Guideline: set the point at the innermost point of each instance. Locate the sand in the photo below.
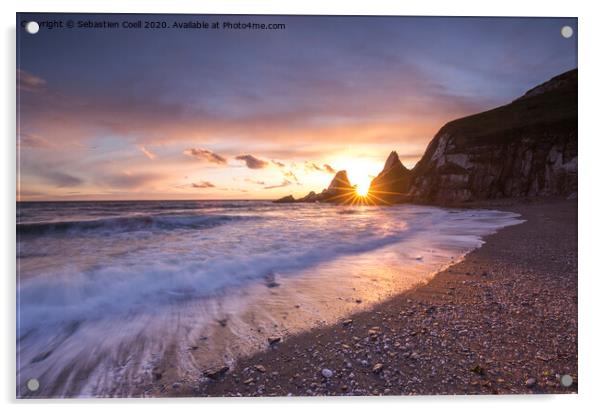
(502, 321)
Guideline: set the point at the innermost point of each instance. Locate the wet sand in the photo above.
(502, 321)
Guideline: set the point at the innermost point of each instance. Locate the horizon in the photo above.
(234, 115)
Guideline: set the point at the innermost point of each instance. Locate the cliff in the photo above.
(525, 148)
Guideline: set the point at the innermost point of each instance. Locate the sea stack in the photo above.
(392, 184)
(340, 190)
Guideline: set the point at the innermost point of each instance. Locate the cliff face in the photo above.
(526, 148)
(392, 183)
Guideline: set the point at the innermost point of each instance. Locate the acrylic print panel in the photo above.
(295, 205)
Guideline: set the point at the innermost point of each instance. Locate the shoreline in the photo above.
(501, 321)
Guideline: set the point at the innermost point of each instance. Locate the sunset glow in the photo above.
(190, 127)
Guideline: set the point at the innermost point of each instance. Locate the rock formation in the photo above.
(340, 190)
(285, 199)
(392, 184)
(525, 148)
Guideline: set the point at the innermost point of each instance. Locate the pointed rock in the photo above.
(391, 185)
(340, 189)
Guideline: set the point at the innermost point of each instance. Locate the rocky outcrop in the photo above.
(340, 190)
(286, 199)
(526, 148)
(392, 184)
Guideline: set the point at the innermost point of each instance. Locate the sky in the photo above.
(176, 113)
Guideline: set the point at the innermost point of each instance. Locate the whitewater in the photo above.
(109, 293)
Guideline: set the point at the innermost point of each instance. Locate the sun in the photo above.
(363, 187)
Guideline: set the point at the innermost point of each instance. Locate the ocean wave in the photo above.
(126, 224)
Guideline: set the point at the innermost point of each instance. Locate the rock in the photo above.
(217, 372)
(377, 368)
(309, 198)
(347, 322)
(260, 368)
(274, 339)
(248, 381)
(529, 383)
(392, 183)
(270, 280)
(339, 191)
(158, 372)
(478, 370)
(285, 199)
(327, 373)
(525, 148)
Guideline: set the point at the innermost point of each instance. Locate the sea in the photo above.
(119, 298)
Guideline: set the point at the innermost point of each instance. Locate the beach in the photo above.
(501, 321)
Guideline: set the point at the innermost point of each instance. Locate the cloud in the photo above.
(147, 153)
(283, 184)
(204, 154)
(29, 82)
(291, 176)
(203, 185)
(312, 167)
(257, 182)
(253, 162)
(34, 141)
(329, 168)
(61, 179)
(128, 180)
(279, 164)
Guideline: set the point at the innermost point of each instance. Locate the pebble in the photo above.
(274, 339)
(327, 373)
(216, 373)
(530, 382)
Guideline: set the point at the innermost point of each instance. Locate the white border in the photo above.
(590, 149)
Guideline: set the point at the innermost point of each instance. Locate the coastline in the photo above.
(502, 321)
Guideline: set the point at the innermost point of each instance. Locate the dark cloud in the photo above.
(203, 185)
(252, 162)
(204, 154)
(279, 164)
(283, 184)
